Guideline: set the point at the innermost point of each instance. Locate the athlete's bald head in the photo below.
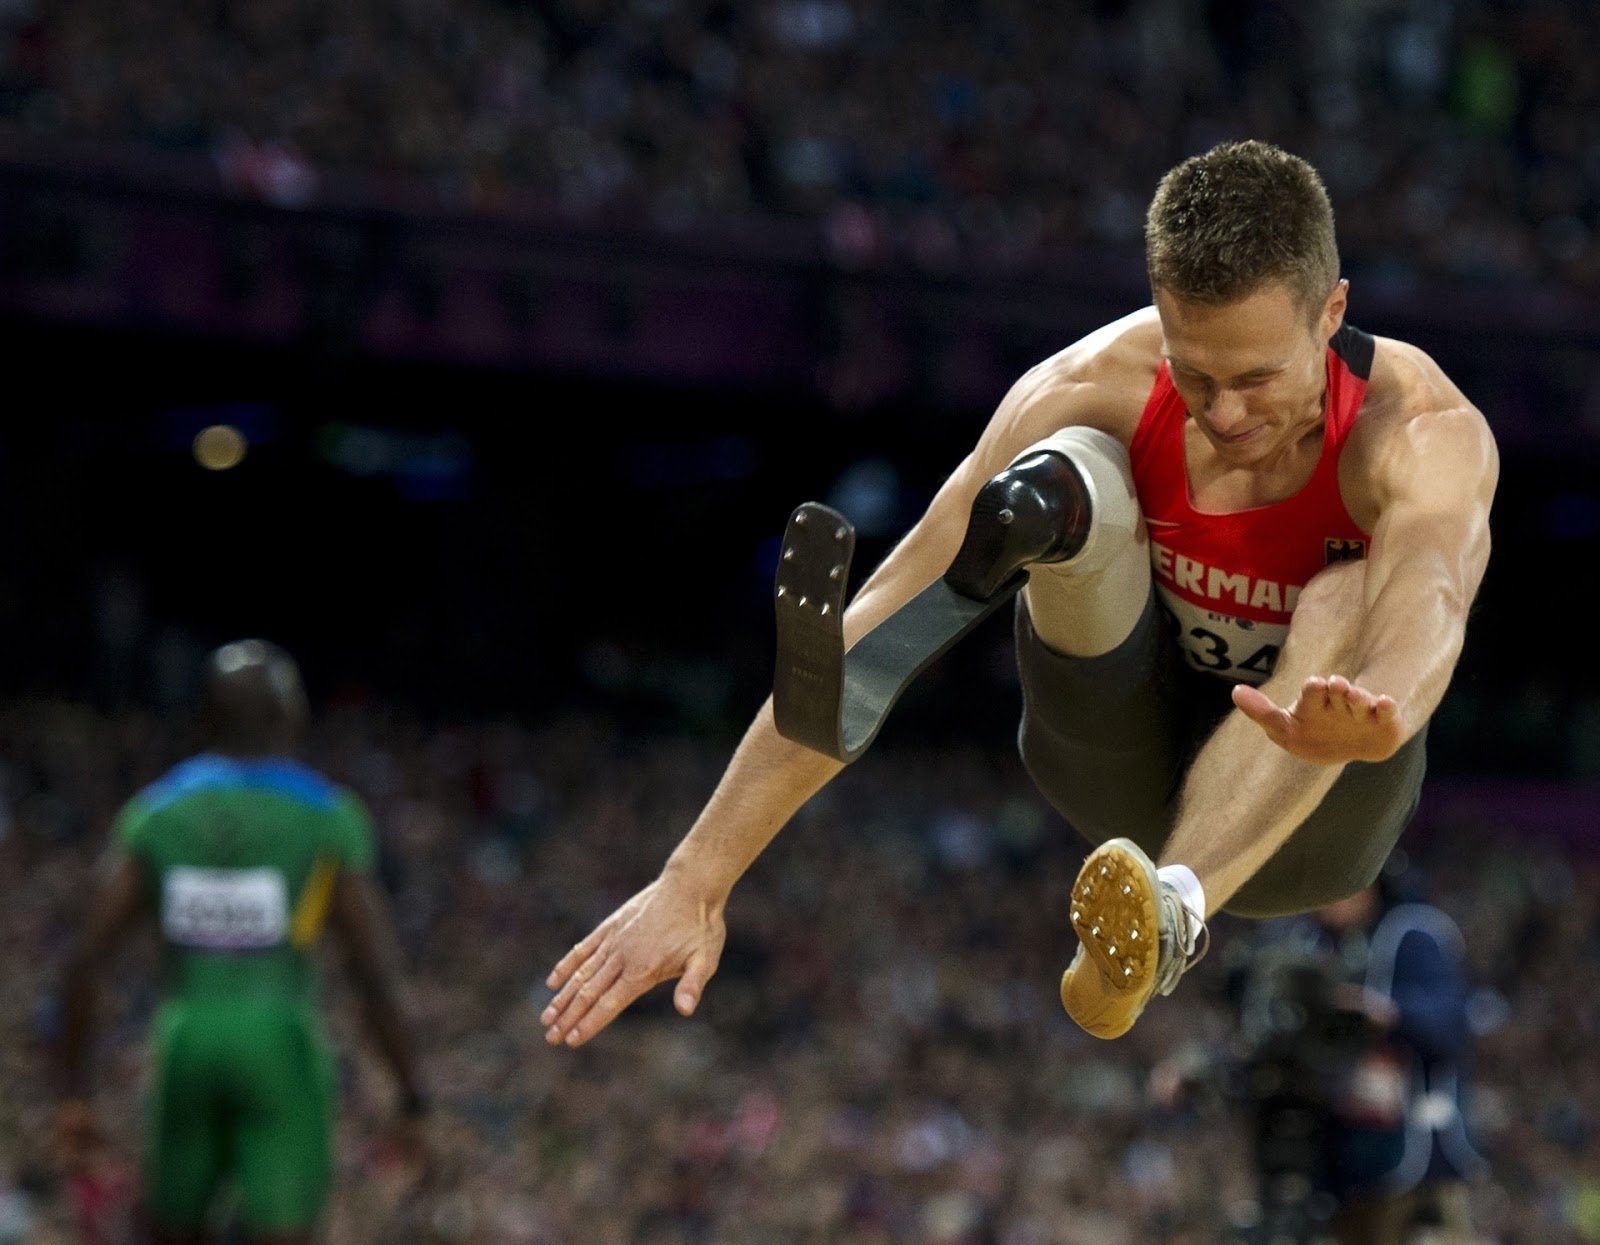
(255, 702)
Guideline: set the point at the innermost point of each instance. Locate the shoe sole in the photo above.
(1115, 914)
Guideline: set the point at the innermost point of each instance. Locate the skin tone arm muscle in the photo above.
(1433, 485)
(1430, 551)
(367, 940)
(674, 928)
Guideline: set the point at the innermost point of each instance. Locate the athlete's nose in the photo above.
(1226, 412)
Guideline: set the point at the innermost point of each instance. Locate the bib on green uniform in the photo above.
(241, 853)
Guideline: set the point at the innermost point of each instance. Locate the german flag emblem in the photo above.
(1339, 550)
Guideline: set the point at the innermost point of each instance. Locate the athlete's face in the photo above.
(1251, 372)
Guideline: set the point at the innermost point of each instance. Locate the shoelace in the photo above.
(1181, 932)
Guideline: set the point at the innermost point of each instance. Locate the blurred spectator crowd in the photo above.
(1456, 136)
(881, 1058)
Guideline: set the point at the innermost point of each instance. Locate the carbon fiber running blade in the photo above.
(835, 702)
(813, 572)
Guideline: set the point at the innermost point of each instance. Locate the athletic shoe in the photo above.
(1137, 939)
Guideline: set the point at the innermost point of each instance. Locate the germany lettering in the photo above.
(1215, 583)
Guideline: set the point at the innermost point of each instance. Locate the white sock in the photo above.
(1182, 879)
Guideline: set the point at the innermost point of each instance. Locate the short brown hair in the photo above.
(1223, 224)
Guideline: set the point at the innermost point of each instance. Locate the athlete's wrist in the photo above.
(702, 881)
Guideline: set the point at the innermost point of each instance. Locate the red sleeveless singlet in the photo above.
(1231, 580)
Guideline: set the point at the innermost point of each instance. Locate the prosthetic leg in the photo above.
(1038, 510)
(1065, 508)
(835, 702)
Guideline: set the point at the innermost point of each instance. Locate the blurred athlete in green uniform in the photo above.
(241, 854)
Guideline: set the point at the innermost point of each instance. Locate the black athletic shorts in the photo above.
(1109, 739)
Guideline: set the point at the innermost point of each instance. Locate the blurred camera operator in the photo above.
(1352, 1058)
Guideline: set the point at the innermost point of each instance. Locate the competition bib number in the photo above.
(225, 909)
(1234, 648)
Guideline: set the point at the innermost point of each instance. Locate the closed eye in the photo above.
(1245, 380)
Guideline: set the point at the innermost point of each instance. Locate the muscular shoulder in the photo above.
(1414, 414)
(1100, 381)
(1406, 382)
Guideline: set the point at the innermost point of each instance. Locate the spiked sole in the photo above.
(1116, 916)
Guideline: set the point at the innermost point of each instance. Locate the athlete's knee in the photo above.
(1115, 521)
(1064, 506)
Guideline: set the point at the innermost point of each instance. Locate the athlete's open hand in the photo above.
(1332, 721)
(661, 933)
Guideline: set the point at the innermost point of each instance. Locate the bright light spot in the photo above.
(220, 447)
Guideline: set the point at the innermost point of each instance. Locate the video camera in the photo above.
(1301, 1041)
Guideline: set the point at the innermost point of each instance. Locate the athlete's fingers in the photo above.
(693, 982)
(606, 1008)
(569, 987)
(1358, 699)
(579, 953)
(581, 975)
(581, 1001)
(1368, 700)
(583, 1004)
(1276, 721)
(1256, 704)
(1343, 694)
(579, 991)
(1363, 703)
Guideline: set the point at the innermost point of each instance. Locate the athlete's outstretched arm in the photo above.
(120, 898)
(359, 922)
(1433, 483)
(1370, 653)
(673, 928)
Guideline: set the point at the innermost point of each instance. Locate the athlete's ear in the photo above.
(1333, 310)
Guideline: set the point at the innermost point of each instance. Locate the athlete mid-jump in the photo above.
(1251, 534)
